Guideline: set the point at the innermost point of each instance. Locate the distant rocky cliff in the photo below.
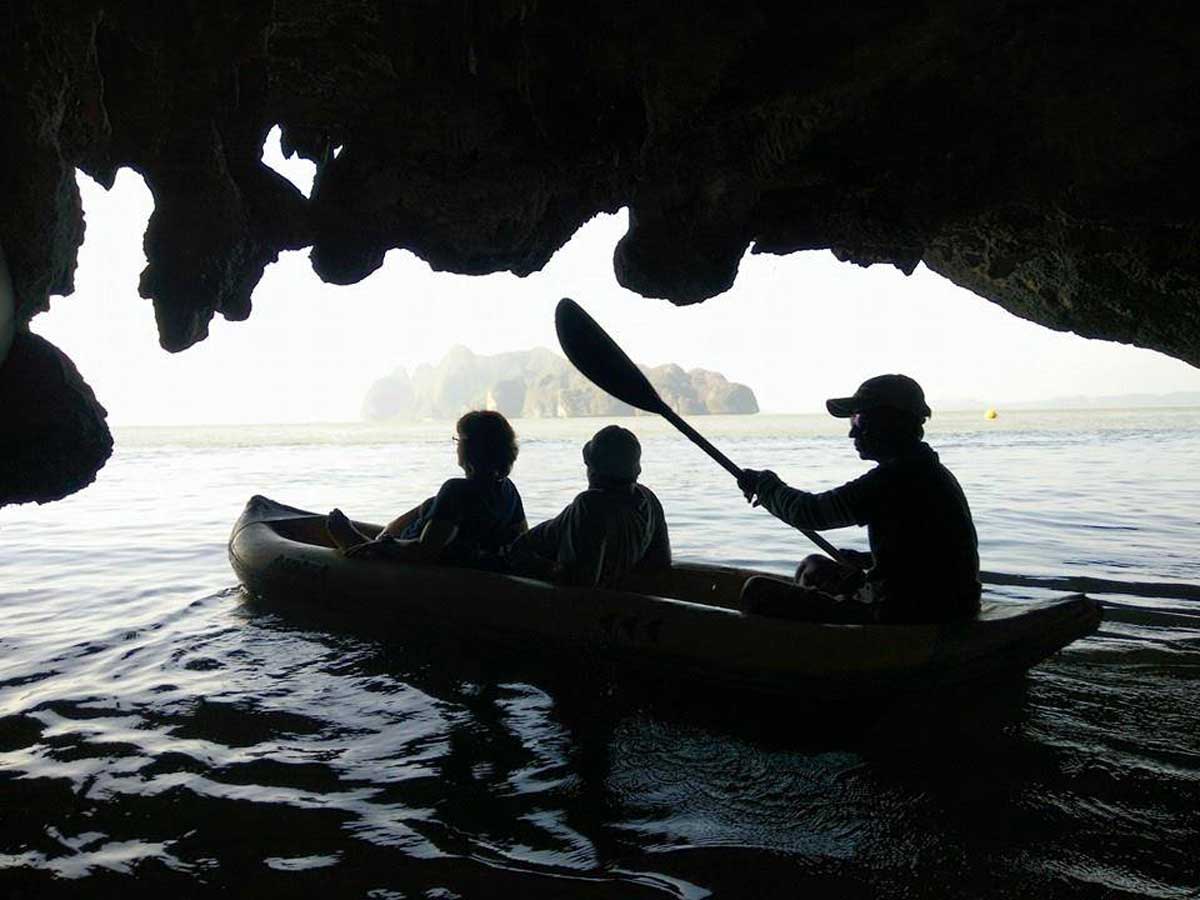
(538, 384)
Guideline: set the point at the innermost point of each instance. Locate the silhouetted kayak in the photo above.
(684, 621)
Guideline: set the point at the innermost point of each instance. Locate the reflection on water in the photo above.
(155, 725)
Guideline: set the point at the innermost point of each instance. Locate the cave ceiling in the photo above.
(1042, 155)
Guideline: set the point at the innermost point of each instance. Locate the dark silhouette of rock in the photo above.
(1041, 155)
(538, 384)
(73, 439)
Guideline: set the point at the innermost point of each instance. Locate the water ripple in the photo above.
(158, 730)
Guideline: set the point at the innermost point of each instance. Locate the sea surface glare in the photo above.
(160, 731)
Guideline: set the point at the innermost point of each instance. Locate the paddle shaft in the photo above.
(601, 360)
(728, 465)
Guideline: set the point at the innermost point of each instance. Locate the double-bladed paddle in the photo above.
(605, 364)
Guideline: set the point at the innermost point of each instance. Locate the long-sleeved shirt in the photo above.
(923, 542)
(600, 536)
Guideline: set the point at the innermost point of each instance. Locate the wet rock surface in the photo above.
(1042, 156)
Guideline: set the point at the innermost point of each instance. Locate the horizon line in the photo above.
(1020, 406)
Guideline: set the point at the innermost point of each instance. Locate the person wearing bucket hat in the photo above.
(614, 527)
(923, 565)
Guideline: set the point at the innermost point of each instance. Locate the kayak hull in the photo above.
(684, 622)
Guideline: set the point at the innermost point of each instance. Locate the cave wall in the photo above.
(1041, 155)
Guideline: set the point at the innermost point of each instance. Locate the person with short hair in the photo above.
(615, 527)
(470, 519)
(924, 559)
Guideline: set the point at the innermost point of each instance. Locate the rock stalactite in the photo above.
(1041, 155)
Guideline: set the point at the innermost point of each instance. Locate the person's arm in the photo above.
(522, 524)
(658, 553)
(584, 567)
(396, 527)
(441, 522)
(528, 554)
(435, 536)
(583, 545)
(801, 509)
(443, 514)
(860, 559)
(568, 549)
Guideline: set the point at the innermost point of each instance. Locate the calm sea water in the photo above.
(158, 731)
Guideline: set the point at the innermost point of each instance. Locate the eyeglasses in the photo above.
(856, 420)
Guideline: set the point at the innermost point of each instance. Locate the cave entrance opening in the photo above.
(795, 329)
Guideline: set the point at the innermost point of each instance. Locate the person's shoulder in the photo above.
(929, 457)
(939, 472)
(922, 462)
(649, 495)
(588, 498)
(450, 500)
(645, 490)
(657, 512)
(878, 473)
(454, 487)
(921, 457)
(594, 504)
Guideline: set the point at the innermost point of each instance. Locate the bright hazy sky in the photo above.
(797, 329)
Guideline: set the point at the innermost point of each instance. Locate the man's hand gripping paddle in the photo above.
(605, 364)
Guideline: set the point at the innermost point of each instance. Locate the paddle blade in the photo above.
(601, 361)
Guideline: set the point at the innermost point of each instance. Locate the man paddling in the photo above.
(924, 559)
(614, 527)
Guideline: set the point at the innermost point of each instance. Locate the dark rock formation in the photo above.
(52, 433)
(1040, 154)
(538, 384)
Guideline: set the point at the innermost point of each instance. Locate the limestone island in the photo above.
(538, 383)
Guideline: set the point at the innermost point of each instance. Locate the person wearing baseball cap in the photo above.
(923, 565)
(614, 527)
(896, 392)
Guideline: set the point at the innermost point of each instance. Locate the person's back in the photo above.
(922, 538)
(614, 527)
(487, 512)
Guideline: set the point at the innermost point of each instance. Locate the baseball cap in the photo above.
(893, 391)
(614, 452)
